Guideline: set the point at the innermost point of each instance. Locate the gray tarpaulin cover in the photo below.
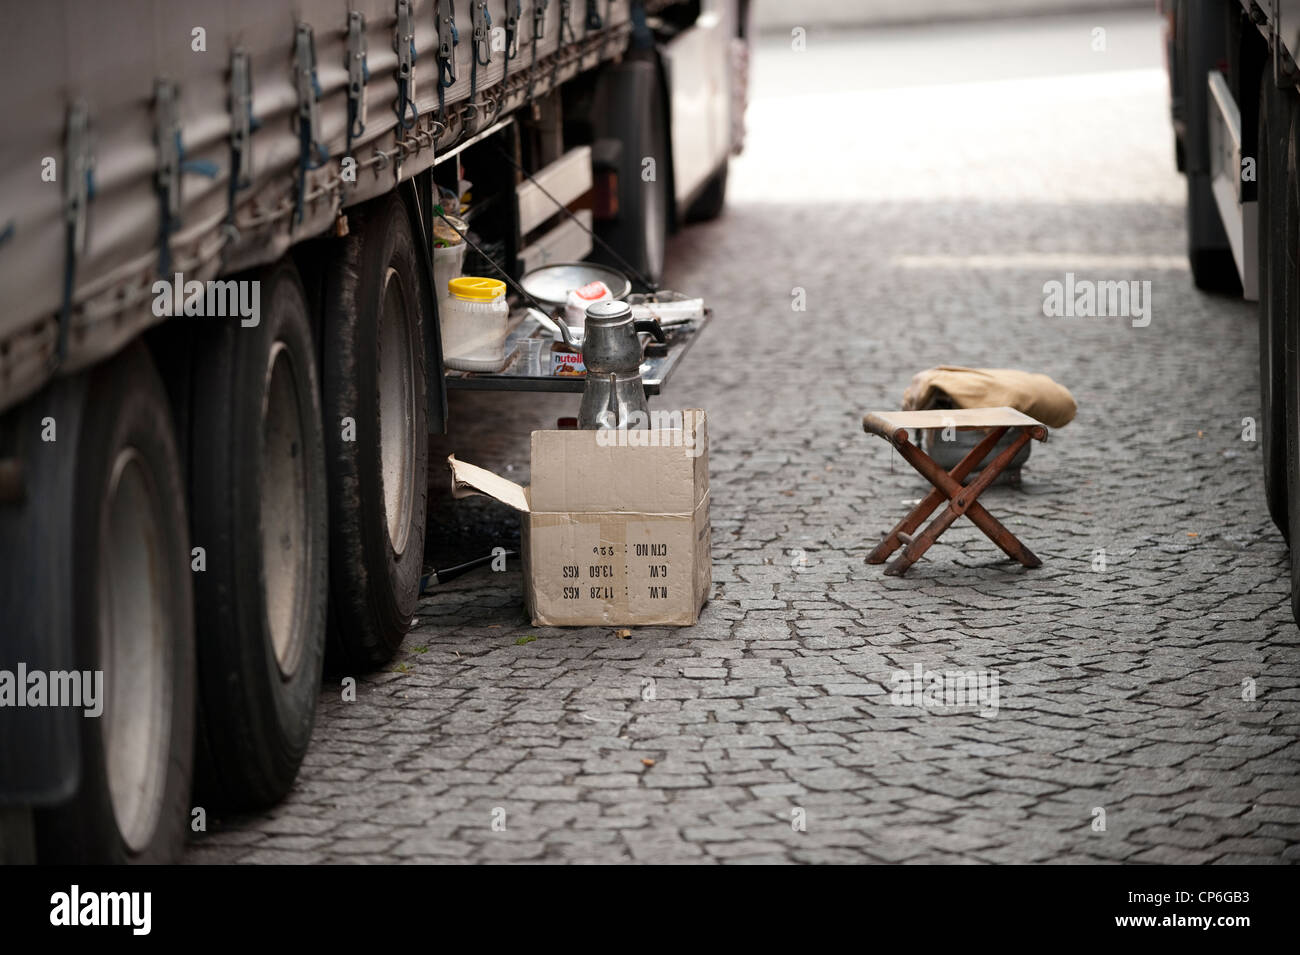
(124, 65)
(1034, 394)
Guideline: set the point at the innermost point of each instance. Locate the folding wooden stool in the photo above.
(893, 427)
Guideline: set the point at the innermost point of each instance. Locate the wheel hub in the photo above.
(134, 651)
(397, 416)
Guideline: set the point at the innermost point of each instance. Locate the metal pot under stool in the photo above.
(947, 454)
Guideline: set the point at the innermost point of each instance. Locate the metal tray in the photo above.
(655, 370)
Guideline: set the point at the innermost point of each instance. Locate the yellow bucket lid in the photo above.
(472, 288)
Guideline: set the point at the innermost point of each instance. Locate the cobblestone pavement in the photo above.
(922, 233)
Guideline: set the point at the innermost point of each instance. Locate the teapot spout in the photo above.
(556, 324)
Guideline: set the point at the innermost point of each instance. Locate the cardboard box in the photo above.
(615, 523)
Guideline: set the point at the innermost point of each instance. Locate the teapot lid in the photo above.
(609, 311)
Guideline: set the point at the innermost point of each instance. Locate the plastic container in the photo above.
(447, 263)
(448, 255)
(449, 231)
(475, 319)
(575, 308)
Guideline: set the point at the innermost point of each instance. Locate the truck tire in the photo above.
(377, 440)
(257, 480)
(708, 205)
(1199, 46)
(1271, 164)
(629, 108)
(133, 621)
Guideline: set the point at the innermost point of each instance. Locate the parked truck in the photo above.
(1235, 103)
(220, 356)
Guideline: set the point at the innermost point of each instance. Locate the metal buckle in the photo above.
(512, 31)
(241, 118)
(481, 24)
(79, 164)
(305, 76)
(167, 137)
(539, 19)
(358, 72)
(404, 43)
(448, 37)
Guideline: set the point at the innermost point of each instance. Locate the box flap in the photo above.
(469, 479)
(660, 471)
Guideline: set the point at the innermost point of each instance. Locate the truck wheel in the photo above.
(629, 108)
(1271, 164)
(708, 205)
(257, 482)
(377, 440)
(1200, 45)
(133, 621)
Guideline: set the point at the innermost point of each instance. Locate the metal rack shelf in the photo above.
(655, 369)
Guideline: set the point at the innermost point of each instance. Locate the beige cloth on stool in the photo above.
(1033, 394)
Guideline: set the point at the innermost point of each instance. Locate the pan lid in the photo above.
(551, 284)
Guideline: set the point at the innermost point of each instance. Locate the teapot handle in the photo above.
(653, 327)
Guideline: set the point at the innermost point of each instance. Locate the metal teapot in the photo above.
(611, 352)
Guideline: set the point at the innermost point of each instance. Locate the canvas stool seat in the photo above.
(894, 427)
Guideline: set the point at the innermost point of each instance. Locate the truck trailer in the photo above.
(220, 356)
(1235, 102)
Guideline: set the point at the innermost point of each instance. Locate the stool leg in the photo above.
(937, 496)
(891, 542)
(996, 532)
(912, 553)
(963, 501)
(986, 522)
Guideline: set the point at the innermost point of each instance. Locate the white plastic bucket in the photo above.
(474, 319)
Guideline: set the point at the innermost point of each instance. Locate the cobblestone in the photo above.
(1120, 688)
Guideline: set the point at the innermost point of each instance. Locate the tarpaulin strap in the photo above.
(404, 46)
(78, 190)
(539, 30)
(643, 37)
(167, 174)
(242, 125)
(358, 76)
(171, 163)
(448, 40)
(566, 7)
(512, 34)
(311, 154)
(566, 25)
(593, 20)
(481, 23)
(201, 167)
